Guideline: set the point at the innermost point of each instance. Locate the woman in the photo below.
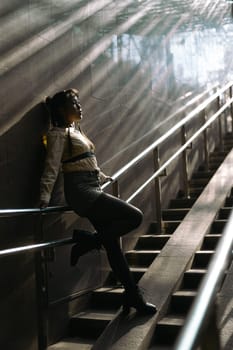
(110, 216)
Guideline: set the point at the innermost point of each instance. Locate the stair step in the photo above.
(228, 147)
(201, 182)
(141, 257)
(182, 203)
(169, 226)
(174, 214)
(218, 226)
(160, 347)
(210, 241)
(167, 330)
(214, 165)
(137, 272)
(224, 213)
(228, 140)
(155, 242)
(73, 343)
(218, 157)
(195, 191)
(90, 322)
(202, 258)
(201, 174)
(105, 296)
(214, 162)
(181, 302)
(229, 202)
(218, 153)
(192, 278)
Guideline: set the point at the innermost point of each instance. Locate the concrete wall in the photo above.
(134, 64)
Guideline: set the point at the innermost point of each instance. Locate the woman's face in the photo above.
(73, 111)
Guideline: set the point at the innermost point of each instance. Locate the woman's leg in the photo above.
(113, 218)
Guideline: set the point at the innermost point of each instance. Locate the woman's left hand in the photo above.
(108, 178)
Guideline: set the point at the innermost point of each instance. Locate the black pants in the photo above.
(112, 218)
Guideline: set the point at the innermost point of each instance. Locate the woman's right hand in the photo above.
(43, 204)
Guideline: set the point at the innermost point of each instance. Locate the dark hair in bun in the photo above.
(56, 103)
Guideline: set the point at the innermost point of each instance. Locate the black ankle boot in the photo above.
(86, 241)
(135, 299)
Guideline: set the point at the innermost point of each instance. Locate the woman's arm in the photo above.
(104, 178)
(55, 146)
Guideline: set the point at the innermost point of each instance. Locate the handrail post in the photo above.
(231, 107)
(157, 187)
(185, 163)
(41, 292)
(220, 126)
(116, 193)
(206, 146)
(115, 189)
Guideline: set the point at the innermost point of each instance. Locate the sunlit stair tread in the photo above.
(92, 314)
(138, 269)
(206, 251)
(112, 290)
(140, 252)
(73, 343)
(160, 347)
(185, 293)
(201, 271)
(172, 320)
(179, 210)
(212, 235)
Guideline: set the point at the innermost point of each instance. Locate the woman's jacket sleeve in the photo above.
(55, 146)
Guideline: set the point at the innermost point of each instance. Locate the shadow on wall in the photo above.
(21, 160)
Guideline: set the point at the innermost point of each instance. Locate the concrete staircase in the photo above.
(87, 326)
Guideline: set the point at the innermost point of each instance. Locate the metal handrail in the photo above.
(181, 149)
(16, 212)
(171, 131)
(190, 334)
(35, 247)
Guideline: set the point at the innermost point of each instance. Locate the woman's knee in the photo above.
(137, 217)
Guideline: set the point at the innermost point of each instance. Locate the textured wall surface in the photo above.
(134, 63)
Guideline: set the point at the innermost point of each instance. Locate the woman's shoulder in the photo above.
(56, 130)
(56, 133)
